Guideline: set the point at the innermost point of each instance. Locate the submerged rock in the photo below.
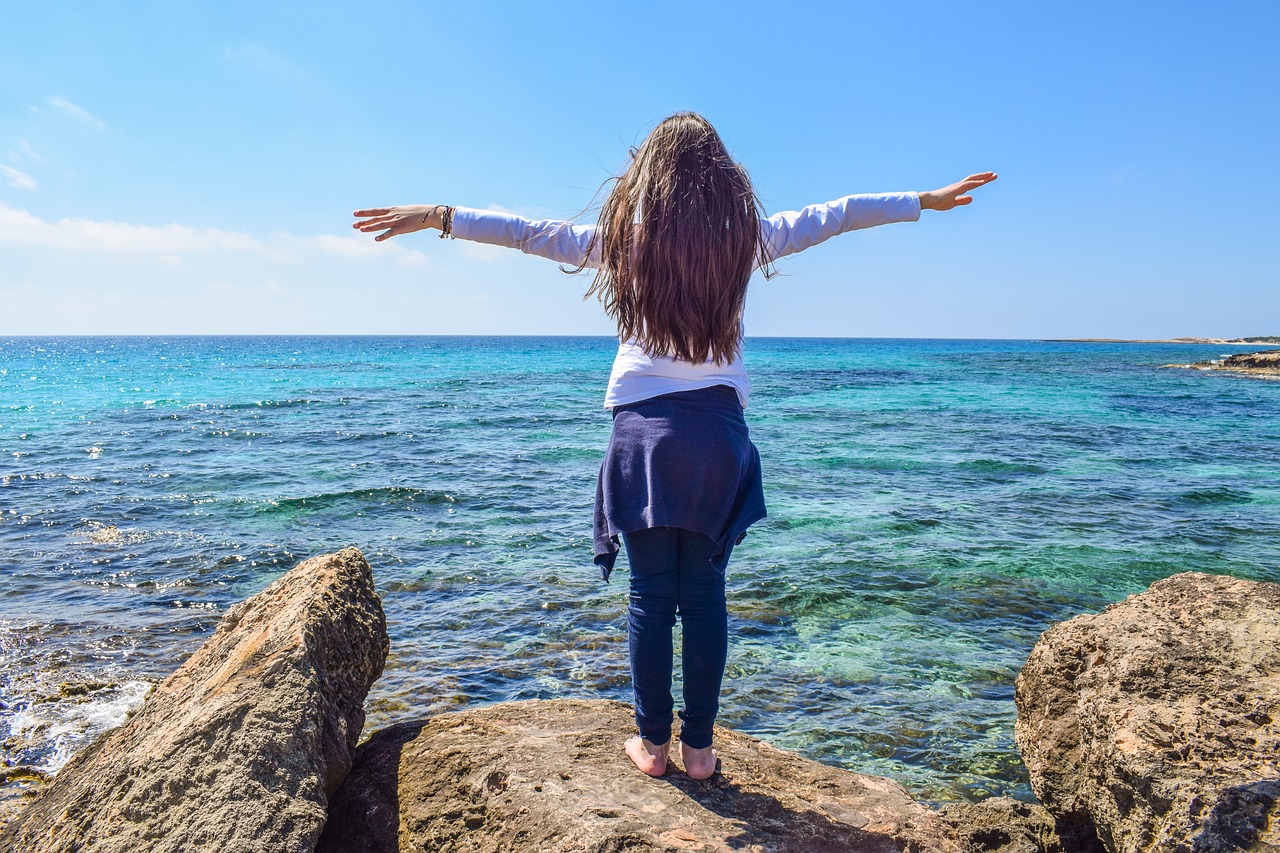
(241, 748)
(551, 776)
(1156, 723)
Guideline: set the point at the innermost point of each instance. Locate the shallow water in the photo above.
(934, 506)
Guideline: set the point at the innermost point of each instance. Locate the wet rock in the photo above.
(241, 748)
(551, 776)
(18, 783)
(1267, 360)
(1156, 723)
(104, 534)
(1265, 364)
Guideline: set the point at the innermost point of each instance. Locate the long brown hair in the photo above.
(679, 236)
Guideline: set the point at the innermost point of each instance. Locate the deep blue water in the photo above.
(934, 506)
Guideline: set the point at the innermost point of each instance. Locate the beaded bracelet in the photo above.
(446, 219)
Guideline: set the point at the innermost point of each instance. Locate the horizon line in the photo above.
(1186, 339)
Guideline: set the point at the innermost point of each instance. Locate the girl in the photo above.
(676, 243)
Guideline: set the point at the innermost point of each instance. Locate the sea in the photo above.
(934, 506)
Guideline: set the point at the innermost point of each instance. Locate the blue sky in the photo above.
(176, 167)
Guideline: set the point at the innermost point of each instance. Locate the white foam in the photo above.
(68, 725)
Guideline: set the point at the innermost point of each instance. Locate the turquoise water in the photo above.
(934, 506)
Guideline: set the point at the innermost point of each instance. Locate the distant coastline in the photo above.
(1272, 340)
(1263, 364)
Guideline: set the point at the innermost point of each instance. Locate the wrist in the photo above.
(926, 201)
(433, 217)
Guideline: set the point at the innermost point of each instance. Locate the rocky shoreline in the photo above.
(1264, 364)
(1154, 725)
(1259, 340)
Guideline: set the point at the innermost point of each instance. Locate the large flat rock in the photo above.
(241, 748)
(1156, 723)
(551, 775)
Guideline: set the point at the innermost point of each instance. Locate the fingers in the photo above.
(372, 218)
(390, 232)
(380, 218)
(957, 192)
(387, 230)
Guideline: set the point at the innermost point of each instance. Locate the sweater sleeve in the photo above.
(794, 231)
(561, 241)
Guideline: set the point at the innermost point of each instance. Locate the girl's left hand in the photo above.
(403, 219)
(954, 195)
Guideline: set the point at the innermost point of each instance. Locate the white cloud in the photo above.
(19, 226)
(169, 242)
(30, 153)
(76, 111)
(485, 252)
(18, 159)
(352, 246)
(17, 180)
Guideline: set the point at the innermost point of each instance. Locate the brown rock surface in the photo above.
(1157, 721)
(1265, 360)
(240, 749)
(1004, 825)
(550, 775)
(1265, 364)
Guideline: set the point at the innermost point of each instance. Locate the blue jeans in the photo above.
(672, 573)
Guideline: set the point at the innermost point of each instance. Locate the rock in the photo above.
(104, 534)
(1264, 365)
(1003, 825)
(550, 775)
(241, 748)
(1268, 360)
(1156, 723)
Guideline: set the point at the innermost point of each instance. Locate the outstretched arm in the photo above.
(955, 194)
(794, 231)
(559, 240)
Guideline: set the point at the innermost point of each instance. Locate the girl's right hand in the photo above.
(402, 219)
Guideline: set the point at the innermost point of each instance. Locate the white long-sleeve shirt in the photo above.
(636, 374)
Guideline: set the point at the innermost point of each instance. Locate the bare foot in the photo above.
(698, 763)
(649, 758)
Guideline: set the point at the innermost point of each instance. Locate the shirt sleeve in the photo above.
(794, 231)
(565, 242)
